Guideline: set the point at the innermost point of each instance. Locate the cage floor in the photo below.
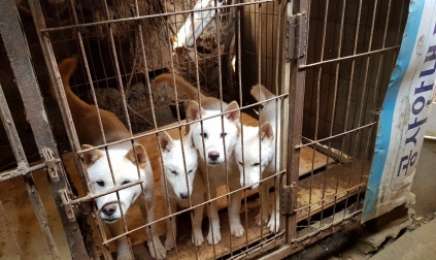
(21, 238)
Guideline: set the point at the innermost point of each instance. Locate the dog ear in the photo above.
(137, 155)
(165, 141)
(266, 132)
(90, 157)
(193, 111)
(234, 115)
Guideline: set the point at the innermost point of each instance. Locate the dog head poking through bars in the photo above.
(256, 150)
(124, 162)
(212, 131)
(174, 158)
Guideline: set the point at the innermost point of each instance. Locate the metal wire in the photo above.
(328, 127)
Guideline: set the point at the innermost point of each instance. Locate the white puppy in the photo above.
(184, 186)
(122, 164)
(214, 138)
(256, 151)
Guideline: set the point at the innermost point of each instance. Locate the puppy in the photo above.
(255, 153)
(184, 186)
(214, 138)
(128, 162)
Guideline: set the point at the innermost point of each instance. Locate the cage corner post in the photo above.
(296, 81)
(19, 55)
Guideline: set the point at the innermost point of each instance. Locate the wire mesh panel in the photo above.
(351, 52)
(21, 175)
(155, 98)
(205, 129)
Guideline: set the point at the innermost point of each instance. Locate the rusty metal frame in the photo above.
(296, 99)
(20, 59)
(293, 247)
(297, 13)
(23, 170)
(296, 95)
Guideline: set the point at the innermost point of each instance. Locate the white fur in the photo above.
(174, 166)
(185, 187)
(256, 151)
(124, 171)
(124, 163)
(212, 135)
(214, 170)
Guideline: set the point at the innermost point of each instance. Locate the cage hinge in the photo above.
(289, 197)
(51, 163)
(66, 203)
(296, 36)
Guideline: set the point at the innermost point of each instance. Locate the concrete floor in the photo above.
(424, 183)
(416, 245)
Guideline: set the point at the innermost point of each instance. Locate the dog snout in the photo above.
(213, 156)
(184, 195)
(109, 209)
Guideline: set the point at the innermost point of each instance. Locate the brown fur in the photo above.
(86, 120)
(85, 116)
(192, 92)
(90, 157)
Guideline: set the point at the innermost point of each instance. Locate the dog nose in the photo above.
(109, 209)
(184, 195)
(213, 155)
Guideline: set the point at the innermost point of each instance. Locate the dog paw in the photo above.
(213, 240)
(157, 251)
(169, 243)
(237, 230)
(197, 238)
(258, 219)
(274, 223)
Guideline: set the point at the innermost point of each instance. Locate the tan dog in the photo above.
(215, 145)
(126, 161)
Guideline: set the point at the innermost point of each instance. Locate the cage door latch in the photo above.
(51, 163)
(296, 36)
(66, 203)
(289, 197)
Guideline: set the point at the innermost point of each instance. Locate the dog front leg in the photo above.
(171, 223)
(197, 233)
(214, 235)
(274, 221)
(122, 243)
(262, 217)
(235, 218)
(157, 250)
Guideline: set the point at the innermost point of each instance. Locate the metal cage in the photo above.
(326, 63)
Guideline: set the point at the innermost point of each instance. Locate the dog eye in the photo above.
(174, 172)
(240, 163)
(125, 182)
(256, 164)
(204, 135)
(100, 183)
(223, 135)
(190, 171)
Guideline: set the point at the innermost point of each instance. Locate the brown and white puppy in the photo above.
(121, 164)
(214, 138)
